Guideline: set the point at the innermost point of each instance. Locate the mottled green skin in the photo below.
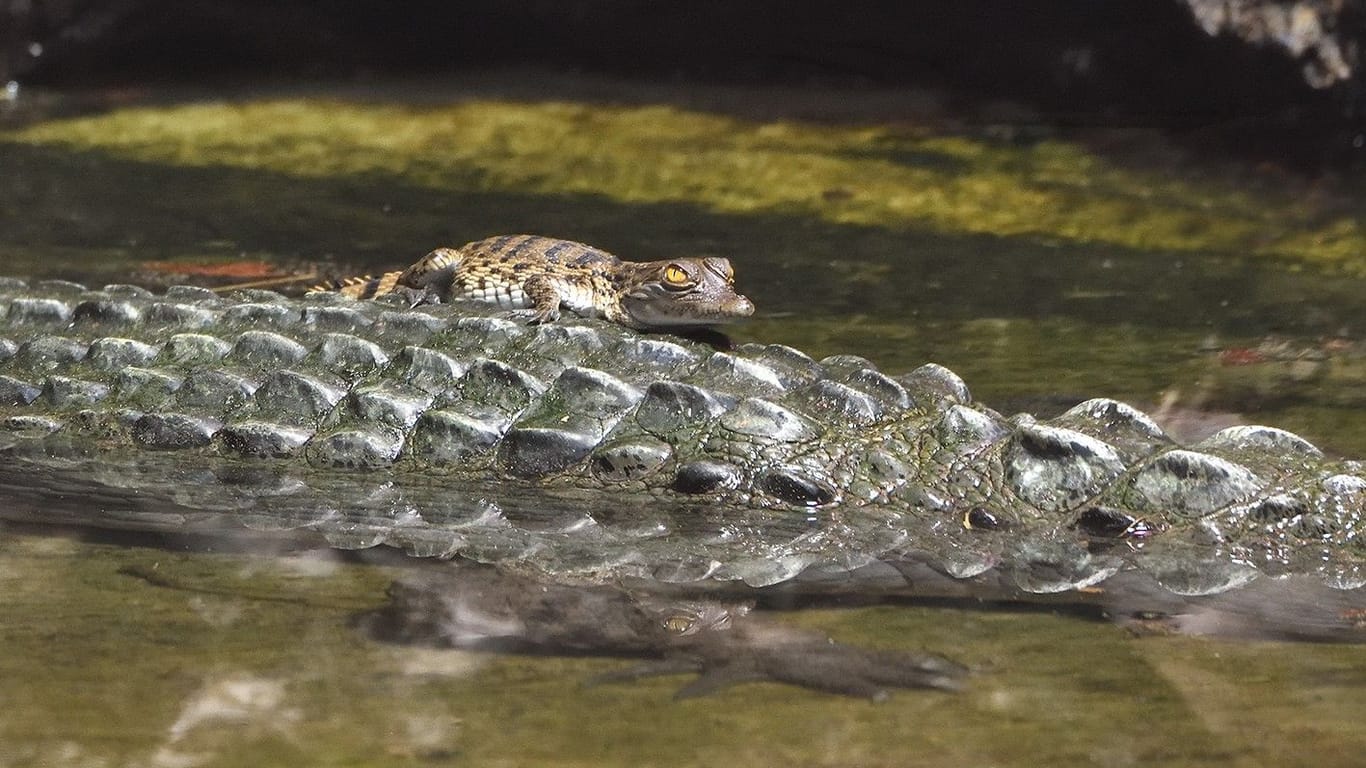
(588, 448)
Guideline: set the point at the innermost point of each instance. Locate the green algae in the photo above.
(902, 177)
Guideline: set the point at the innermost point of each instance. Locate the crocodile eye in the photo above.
(677, 278)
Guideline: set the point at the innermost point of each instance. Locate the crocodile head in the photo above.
(682, 293)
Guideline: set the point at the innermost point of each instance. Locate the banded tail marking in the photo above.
(366, 287)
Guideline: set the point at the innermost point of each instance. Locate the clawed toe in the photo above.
(540, 317)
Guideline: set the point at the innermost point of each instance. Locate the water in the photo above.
(1041, 269)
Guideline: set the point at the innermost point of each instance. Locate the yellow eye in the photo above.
(676, 276)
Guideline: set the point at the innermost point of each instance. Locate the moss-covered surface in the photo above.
(896, 176)
(126, 655)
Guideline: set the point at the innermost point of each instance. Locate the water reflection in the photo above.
(193, 654)
(722, 643)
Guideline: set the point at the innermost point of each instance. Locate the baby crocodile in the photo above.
(545, 274)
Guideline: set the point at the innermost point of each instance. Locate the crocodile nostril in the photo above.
(740, 306)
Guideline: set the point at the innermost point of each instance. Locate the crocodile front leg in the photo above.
(544, 298)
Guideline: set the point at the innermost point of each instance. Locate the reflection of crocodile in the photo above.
(1278, 371)
(723, 643)
(616, 453)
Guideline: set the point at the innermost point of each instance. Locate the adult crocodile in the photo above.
(589, 450)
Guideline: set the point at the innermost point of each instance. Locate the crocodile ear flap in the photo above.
(721, 268)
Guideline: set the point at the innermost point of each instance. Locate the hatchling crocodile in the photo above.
(542, 275)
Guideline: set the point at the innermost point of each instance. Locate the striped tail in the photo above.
(366, 287)
(432, 273)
